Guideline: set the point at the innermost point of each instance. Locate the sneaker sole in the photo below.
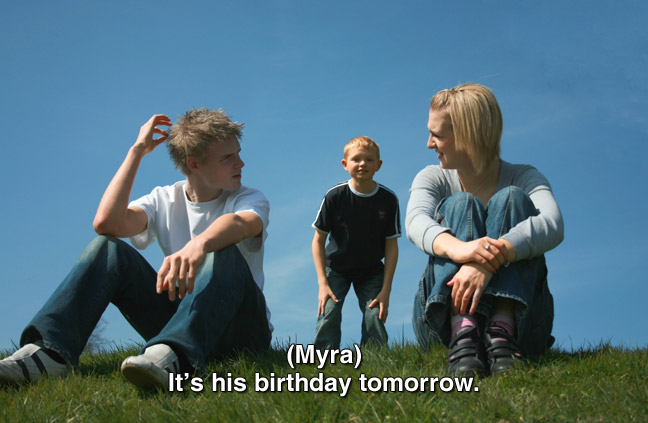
(141, 377)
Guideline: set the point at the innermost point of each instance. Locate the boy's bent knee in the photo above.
(228, 256)
(102, 243)
(372, 313)
(101, 240)
(372, 319)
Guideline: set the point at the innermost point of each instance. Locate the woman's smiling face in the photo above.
(442, 140)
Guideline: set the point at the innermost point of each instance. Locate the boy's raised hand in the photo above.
(381, 300)
(145, 140)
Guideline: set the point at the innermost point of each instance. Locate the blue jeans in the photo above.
(524, 281)
(328, 333)
(226, 310)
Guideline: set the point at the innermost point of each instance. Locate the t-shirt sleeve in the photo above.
(394, 231)
(254, 201)
(323, 221)
(148, 204)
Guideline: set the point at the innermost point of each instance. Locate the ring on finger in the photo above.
(487, 247)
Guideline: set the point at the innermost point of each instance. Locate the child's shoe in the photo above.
(29, 364)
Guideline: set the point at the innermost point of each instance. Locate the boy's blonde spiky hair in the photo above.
(364, 142)
(195, 131)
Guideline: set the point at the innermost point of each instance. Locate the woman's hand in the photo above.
(488, 252)
(509, 251)
(468, 284)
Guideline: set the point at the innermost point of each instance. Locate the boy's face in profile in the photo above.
(361, 163)
(221, 166)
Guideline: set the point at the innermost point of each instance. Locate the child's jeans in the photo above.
(523, 281)
(226, 310)
(328, 333)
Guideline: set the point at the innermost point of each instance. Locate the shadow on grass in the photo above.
(245, 361)
(105, 361)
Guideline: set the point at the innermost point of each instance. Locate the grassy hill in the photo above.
(597, 385)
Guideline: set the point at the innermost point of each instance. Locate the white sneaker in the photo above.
(152, 368)
(29, 364)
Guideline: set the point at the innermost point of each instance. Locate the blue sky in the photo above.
(78, 79)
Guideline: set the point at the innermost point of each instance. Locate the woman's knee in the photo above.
(510, 194)
(459, 199)
(459, 209)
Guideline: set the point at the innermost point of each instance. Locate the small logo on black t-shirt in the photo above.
(381, 214)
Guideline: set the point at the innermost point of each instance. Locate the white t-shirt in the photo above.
(173, 221)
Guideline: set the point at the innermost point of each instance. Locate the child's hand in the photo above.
(324, 294)
(381, 300)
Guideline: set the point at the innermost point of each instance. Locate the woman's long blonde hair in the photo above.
(476, 121)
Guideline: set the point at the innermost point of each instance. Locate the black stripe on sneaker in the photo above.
(24, 370)
(39, 364)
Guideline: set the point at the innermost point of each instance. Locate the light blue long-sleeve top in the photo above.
(530, 238)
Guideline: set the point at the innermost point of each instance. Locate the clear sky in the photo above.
(78, 79)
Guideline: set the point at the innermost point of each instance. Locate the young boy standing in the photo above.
(363, 220)
(211, 230)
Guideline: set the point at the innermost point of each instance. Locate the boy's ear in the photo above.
(344, 164)
(379, 165)
(192, 163)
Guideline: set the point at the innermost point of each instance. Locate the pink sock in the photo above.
(505, 323)
(458, 322)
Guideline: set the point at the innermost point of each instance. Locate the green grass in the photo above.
(596, 385)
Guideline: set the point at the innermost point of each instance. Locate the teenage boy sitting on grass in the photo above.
(363, 219)
(211, 230)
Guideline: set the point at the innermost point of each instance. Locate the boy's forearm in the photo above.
(113, 207)
(391, 258)
(113, 216)
(319, 256)
(229, 229)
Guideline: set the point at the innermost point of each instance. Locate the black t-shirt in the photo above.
(358, 225)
